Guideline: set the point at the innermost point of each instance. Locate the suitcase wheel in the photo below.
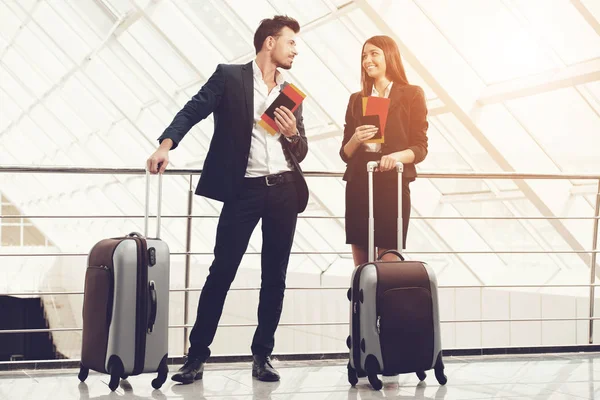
(352, 376)
(114, 382)
(83, 373)
(439, 370)
(421, 375)
(163, 370)
(375, 382)
(440, 376)
(116, 371)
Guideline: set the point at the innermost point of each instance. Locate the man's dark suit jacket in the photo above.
(229, 95)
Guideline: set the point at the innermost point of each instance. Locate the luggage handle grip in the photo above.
(395, 252)
(371, 166)
(147, 208)
(153, 306)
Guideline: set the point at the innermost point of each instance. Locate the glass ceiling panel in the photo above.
(22, 97)
(504, 131)
(221, 27)
(362, 25)
(591, 93)
(47, 122)
(442, 155)
(42, 52)
(564, 125)
(182, 27)
(9, 22)
(89, 109)
(100, 18)
(70, 17)
(10, 111)
(454, 131)
(326, 152)
(318, 82)
(304, 11)
(130, 75)
(25, 73)
(563, 27)
(415, 30)
(341, 56)
(62, 33)
(113, 88)
(251, 12)
(488, 29)
(119, 7)
(161, 53)
(593, 7)
(65, 113)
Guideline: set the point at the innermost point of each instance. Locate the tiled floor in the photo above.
(560, 376)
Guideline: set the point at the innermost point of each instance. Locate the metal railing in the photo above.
(190, 173)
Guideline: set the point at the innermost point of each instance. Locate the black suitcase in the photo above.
(394, 312)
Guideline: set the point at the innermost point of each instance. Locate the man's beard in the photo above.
(281, 65)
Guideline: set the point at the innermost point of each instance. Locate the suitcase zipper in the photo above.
(379, 325)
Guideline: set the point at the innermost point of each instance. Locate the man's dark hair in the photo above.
(272, 27)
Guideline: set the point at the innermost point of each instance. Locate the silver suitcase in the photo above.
(126, 305)
(394, 312)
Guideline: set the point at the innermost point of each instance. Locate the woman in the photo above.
(382, 75)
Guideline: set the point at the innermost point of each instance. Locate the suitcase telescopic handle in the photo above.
(147, 209)
(371, 166)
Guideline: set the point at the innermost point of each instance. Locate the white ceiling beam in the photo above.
(578, 74)
(587, 15)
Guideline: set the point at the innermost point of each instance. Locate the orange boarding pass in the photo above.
(375, 112)
(290, 97)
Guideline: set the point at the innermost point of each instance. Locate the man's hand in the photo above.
(387, 163)
(157, 163)
(286, 121)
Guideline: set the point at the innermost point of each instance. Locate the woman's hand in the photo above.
(387, 163)
(364, 132)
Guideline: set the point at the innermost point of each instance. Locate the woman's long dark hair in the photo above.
(394, 69)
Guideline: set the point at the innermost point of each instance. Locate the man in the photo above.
(256, 175)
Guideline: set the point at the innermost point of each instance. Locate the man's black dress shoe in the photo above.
(263, 370)
(192, 370)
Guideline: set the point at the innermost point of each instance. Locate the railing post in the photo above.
(188, 249)
(593, 264)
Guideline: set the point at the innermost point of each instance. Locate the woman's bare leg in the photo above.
(360, 255)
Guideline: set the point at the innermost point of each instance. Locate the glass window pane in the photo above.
(11, 235)
(17, 91)
(224, 29)
(563, 124)
(26, 74)
(486, 29)
(9, 22)
(33, 237)
(564, 28)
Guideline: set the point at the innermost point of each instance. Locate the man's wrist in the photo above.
(166, 144)
(294, 138)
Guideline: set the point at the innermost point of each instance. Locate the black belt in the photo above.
(270, 180)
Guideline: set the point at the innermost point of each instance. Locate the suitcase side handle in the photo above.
(158, 203)
(371, 166)
(153, 306)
